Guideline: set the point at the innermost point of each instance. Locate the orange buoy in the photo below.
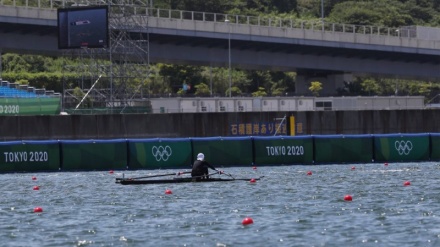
(247, 221)
(111, 172)
(353, 168)
(254, 167)
(34, 178)
(36, 188)
(407, 183)
(309, 173)
(253, 180)
(385, 164)
(168, 192)
(348, 198)
(38, 210)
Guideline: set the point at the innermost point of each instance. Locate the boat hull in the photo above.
(168, 181)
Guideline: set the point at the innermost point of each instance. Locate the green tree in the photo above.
(217, 78)
(79, 95)
(181, 92)
(235, 91)
(370, 86)
(261, 92)
(173, 76)
(389, 13)
(315, 87)
(425, 89)
(202, 90)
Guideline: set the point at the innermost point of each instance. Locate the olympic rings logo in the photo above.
(403, 147)
(161, 153)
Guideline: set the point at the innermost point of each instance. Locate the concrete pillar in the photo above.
(331, 82)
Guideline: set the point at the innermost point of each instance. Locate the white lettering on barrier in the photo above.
(11, 157)
(9, 109)
(284, 150)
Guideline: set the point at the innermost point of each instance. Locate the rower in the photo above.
(200, 168)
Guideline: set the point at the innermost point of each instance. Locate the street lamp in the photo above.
(229, 57)
(322, 11)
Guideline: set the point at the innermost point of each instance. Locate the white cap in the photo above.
(200, 156)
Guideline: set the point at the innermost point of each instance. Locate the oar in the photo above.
(242, 179)
(154, 176)
(227, 174)
(248, 179)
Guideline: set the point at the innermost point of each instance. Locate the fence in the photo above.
(141, 8)
(165, 153)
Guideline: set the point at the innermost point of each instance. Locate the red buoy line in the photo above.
(36, 187)
(246, 221)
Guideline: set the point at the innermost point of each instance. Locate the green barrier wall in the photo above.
(396, 147)
(30, 106)
(343, 149)
(94, 154)
(224, 151)
(435, 146)
(159, 153)
(27, 156)
(283, 150)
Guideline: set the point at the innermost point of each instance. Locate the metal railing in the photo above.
(141, 8)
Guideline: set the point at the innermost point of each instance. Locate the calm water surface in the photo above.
(288, 208)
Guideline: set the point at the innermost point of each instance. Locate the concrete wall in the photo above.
(212, 124)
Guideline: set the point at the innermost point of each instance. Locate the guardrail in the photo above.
(288, 23)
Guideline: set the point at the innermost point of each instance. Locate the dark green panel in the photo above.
(283, 150)
(159, 153)
(94, 155)
(224, 151)
(343, 149)
(435, 146)
(394, 148)
(30, 156)
(30, 106)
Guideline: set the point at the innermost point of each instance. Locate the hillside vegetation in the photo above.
(173, 79)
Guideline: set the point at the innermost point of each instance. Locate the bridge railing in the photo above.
(141, 8)
(314, 25)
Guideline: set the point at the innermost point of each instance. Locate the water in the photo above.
(288, 208)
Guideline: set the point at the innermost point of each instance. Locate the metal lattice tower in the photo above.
(121, 70)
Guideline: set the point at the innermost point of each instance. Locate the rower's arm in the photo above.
(210, 166)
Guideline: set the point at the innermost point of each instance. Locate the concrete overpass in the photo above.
(327, 52)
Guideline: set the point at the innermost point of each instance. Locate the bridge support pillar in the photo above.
(331, 82)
